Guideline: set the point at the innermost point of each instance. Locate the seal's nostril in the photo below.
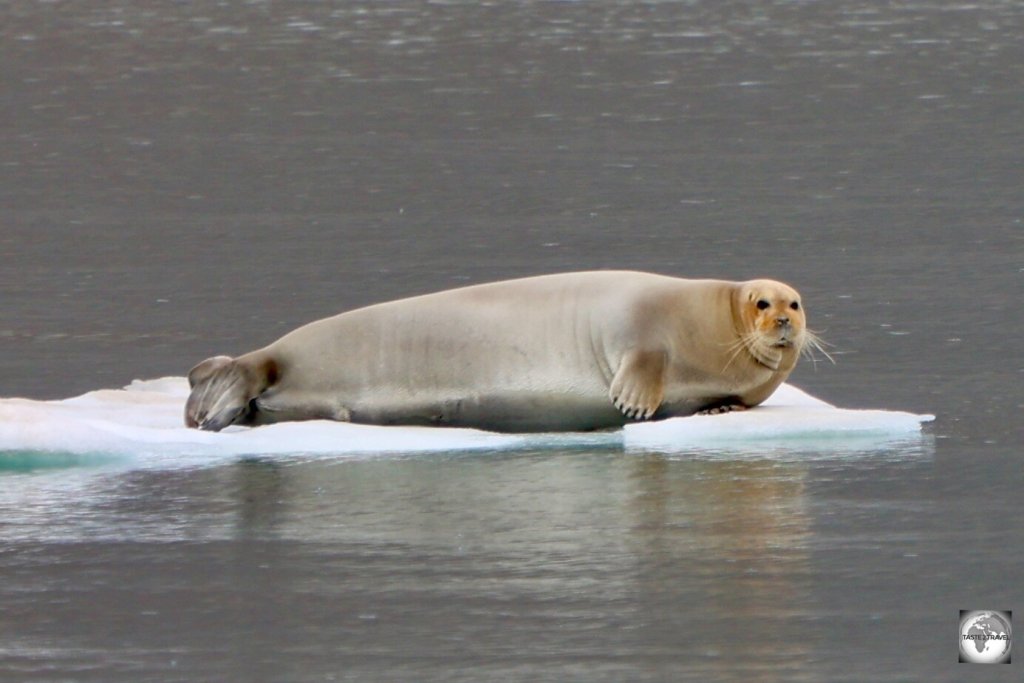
(782, 320)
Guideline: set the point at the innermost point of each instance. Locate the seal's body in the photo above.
(575, 351)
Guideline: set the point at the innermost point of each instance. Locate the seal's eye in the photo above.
(762, 304)
(795, 305)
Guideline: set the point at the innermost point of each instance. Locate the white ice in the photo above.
(145, 420)
(790, 418)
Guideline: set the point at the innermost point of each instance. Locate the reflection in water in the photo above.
(704, 561)
(261, 496)
(483, 562)
(734, 534)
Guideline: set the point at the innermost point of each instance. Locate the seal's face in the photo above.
(771, 322)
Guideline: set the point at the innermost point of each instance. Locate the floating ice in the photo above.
(144, 420)
(147, 417)
(789, 418)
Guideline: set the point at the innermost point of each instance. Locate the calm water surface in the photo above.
(179, 180)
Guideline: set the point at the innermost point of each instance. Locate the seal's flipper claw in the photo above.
(222, 419)
(722, 409)
(638, 387)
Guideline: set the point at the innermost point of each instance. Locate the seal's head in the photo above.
(770, 322)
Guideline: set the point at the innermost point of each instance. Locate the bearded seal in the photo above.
(566, 352)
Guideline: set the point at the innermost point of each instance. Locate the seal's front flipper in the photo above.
(638, 387)
(222, 391)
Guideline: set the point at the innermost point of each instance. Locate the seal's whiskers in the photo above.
(811, 343)
(745, 342)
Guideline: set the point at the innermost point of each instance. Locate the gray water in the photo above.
(184, 179)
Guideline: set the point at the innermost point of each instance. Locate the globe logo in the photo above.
(985, 637)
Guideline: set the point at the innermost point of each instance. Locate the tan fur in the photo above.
(574, 351)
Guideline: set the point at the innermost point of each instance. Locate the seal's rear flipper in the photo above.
(222, 390)
(203, 370)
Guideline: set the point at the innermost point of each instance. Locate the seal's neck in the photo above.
(768, 357)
